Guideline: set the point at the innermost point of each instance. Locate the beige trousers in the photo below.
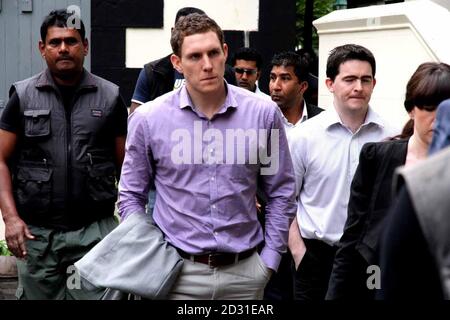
(244, 280)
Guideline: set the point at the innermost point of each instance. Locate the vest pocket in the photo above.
(34, 188)
(101, 182)
(37, 123)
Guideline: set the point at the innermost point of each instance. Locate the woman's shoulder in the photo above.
(372, 150)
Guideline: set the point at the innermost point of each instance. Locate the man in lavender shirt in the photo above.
(205, 145)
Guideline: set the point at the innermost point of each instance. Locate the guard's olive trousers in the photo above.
(48, 272)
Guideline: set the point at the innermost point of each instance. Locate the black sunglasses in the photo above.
(247, 71)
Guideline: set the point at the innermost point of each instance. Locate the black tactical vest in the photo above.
(64, 173)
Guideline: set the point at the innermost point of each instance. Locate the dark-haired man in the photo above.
(62, 140)
(247, 64)
(288, 83)
(325, 152)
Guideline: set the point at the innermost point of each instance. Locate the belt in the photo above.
(217, 259)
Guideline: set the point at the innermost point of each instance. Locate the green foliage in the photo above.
(321, 8)
(4, 249)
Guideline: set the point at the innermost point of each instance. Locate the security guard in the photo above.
(62, 139)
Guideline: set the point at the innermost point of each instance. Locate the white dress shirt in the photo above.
(288, 127)
(325, 155)
(262, 94)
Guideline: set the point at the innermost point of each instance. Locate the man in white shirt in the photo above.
(325, 153)
(288, 83)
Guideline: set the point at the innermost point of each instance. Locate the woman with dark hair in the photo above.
(414, 253)
(371, 191)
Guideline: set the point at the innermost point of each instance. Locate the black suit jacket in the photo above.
(312, 110)
(370, 198)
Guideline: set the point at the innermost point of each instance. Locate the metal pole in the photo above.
(246, 39)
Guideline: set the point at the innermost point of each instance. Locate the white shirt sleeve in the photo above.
(297, 146)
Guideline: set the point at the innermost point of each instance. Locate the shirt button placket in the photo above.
(213, 186)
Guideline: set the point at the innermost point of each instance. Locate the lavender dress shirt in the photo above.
(206, 172)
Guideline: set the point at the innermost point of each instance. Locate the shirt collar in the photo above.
(373, 118)
(305, 115)
(230, 100)
(332, 118)
(302, 119)
(45, 80)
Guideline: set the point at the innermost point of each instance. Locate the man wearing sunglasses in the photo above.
(247, 63)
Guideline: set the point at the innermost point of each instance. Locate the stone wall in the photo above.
(8, 278)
